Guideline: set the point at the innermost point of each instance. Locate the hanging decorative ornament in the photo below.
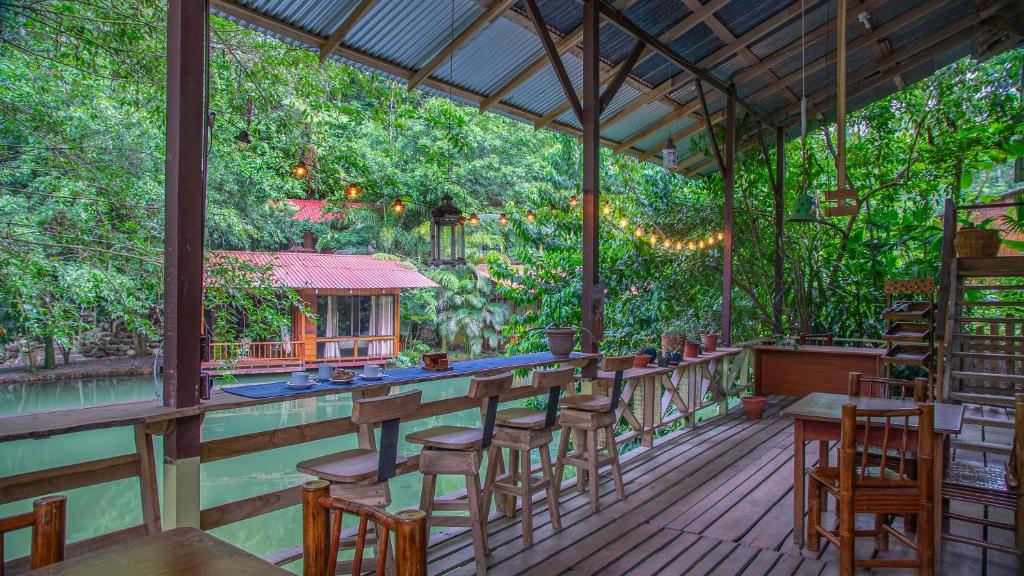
(398, 206)
(352, 191)
(669, 155)
(530, 216)
(447, 235)
(300, 170)
(574, 201)
(503, 219)
(474, 220)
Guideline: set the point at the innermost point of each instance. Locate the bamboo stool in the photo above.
(584, 415)
(361, 474)
(522, 430)
(458, 450)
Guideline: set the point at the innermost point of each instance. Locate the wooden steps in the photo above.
(986, 447)
(982, 399)
(992, 356)
(996, 267)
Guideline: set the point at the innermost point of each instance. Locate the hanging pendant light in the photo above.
(503, 219)
(805, 209)
(398, 206)
(352, 191)
(300, 170)
(447, 235)
(669, 155)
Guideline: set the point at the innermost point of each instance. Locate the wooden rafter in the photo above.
(620, 77)
(554, 58)
(492, 12)
(346, 26)
(690, 130)
(712, 141)
(649, 131)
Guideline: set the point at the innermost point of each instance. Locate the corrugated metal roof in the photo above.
(333, 271)
(317, 211)
(397, 37)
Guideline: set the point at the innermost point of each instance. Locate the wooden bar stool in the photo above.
(520, 431)
(458, 450)
(361, 474)
(584, 415)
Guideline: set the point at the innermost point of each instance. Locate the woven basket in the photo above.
(976, 243)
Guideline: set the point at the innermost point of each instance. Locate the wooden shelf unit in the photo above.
(910, 330)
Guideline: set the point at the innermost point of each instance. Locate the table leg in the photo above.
(939, 454)
(798, 482)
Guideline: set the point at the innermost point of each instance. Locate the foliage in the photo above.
(466, 311)
(243, 302)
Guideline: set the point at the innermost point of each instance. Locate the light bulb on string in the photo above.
(691, 246)
(503, 219)
(638, 232)
(530, 216)
(607, 209)
(654, 238)
(679, 245)
(700, 244)
(574, 201)
(398, 206)
(668, 244)
(300, 170)
(474, 220)
(352, 191)
(623, 222)
(721, 236)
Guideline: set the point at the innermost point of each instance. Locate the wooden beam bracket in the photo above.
(627, 67)
(712, 141)
(555, 57)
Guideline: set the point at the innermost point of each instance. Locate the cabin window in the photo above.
(348, 325)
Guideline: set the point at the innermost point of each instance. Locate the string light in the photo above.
(691, 245)
(639, 232)
(398, 206)
(503, 219)
(668, 243)
(623, 223)
(679, 245)
(574, 201)
(352, 191)
(474, 220)
(530, 216)
(654, 238)
(721, 236)
(300, 170)
(607, 209)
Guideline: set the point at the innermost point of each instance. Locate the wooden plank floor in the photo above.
(715, 500)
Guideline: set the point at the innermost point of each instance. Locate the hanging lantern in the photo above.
(352, 191)
(530, 216)
(243, 140)
(669, 155)
(474, 220)
(398, 206)
(447, 235)
(300, 170)
(503, 219)
(574, 201)
(462, 221)
(805, 209)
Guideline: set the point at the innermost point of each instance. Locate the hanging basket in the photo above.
(976, 243)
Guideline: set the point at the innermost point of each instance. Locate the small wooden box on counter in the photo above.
(787, 371)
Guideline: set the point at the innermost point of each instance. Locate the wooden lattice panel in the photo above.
(845, 202)
(910, 286)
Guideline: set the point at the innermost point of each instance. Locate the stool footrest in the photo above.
(451, 521)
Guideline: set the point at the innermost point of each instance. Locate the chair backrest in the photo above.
(322, 517)
(618, 365)
(48, 520)
(554, 381)
(1015, 467)
(487, 389)
(877, 387)
(900, 437)
(807, 339)
(387, 411)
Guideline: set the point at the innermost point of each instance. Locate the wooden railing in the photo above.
(656, 402)
(243, 354)
(353, 352)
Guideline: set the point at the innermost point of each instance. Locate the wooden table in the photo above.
(182, 551)
(818, 416)
(788, 371)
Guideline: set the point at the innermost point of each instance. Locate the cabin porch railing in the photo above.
(353, 353)
(244, 355)
(654, 407)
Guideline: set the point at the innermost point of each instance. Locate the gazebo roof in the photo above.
(333, 271)
(754, 45)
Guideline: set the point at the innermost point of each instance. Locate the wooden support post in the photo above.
(187, 22)
(841, 98)
(315, 528)
(592, 298)
(728, 178)
(411, 542)
(780, 205)
(48, 531)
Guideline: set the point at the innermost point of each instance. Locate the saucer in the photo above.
(300, 386)
(372, 378)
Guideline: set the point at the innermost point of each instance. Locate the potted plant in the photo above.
(753, 406)
(976, 240)
(683, 334)
(561, 340)
(673, 336)
(709, 333)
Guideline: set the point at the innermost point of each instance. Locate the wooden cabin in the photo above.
(354, 312)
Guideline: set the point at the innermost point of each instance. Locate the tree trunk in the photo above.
(49, 355)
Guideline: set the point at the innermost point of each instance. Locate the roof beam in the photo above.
(555, 58)
(865, 39)
(346, 26)
(647, 132)
(492, 12)
(624, 70)
(712, 141)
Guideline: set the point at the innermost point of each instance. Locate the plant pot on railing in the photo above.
(561, 341)
(671, 342)
(976, 242)
(641, 360)
(691, 350)
(753, 406)
(709, 342)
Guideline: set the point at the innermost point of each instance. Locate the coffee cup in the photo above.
(371, 371)
(299, 379)
(323, 371)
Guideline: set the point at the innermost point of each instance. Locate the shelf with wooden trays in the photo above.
(909, 355)
(918, 310)
(912, 332)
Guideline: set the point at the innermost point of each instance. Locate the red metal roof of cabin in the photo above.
(334, 271)
(316, 210)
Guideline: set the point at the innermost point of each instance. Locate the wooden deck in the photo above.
(716, 499)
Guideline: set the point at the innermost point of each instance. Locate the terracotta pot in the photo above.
(641, 360)
(561, 341)
(753, 406)
(709, 342)
(976, 243)
(671, 343)
(691, 350)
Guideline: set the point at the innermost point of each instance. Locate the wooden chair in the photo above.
(582, 417)
(877, 387)
(322, 517)
(48, 521)
(458, 450)
(520, 431)
(361, 475)
(826, 339)
(997, 486)
(860, 488)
